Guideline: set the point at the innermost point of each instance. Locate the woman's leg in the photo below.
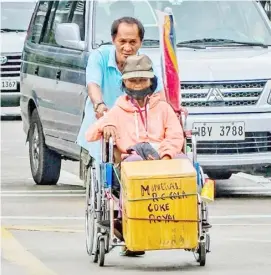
(118, 225)
(130, 158)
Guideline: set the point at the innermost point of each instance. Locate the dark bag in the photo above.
(144, 149)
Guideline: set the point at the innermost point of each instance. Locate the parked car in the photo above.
(224, 55)
(15, 18)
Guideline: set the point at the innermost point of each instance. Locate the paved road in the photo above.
(42, 227)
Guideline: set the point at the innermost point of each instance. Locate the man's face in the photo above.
(127, 41)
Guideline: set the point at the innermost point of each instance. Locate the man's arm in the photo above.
(94, 77)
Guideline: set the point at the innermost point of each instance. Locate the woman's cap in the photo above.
(137, 66)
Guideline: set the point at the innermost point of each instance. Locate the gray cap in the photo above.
(137, 66)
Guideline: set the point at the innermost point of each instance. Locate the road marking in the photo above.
(249, 240)
(260, 216)
(42, 195)
(40, 218)
(241, 224)
(44, 229)
(41, 191)
(14, 252)
(234, 217)
(245, 188)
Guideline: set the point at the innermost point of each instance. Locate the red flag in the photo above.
(170, 70)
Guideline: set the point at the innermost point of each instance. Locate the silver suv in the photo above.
(224, 55)
(15, 18)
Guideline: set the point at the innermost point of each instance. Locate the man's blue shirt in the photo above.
(102, 70)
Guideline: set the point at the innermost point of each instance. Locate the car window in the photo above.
(234, 20)
(15, 16)
(39, 20)
(59, 14)
(108, 11)
(78, 17)
(64, 12)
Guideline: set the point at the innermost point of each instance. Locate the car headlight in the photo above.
(269, 98)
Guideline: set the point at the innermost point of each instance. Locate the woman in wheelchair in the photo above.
(140, 115)
(140, 121)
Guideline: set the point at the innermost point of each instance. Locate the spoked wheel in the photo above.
(101, 252)
(90, 215)
(200, 254)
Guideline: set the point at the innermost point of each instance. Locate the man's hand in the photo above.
(166, 157)
(110, 131)
(184, 110)
(101, 110)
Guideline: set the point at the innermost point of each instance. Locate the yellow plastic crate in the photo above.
(160, 208)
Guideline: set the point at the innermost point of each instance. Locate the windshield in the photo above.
(16, 15)
(194, 20)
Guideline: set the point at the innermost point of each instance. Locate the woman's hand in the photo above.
(110, 131)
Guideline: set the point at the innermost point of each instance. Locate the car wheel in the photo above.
(219, 175)
(45, 164)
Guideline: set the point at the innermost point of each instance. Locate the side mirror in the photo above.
(68, 35)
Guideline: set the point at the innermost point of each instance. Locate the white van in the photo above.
(224, 56)
(15, 18)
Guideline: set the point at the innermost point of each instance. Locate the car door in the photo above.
(71, 85)
(41, 59)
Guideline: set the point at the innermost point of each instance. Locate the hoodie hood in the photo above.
(124, 102)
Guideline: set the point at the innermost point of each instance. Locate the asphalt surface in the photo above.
(42, 228)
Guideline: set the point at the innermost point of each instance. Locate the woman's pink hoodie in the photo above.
(164, 130)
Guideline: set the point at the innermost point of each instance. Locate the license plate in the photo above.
(212, 131)
(8, 84)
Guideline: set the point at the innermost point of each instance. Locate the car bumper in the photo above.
(236, 156)
(11, 98)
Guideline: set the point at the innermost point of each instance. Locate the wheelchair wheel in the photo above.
(90, 215)
(200, 254)
(101, 252)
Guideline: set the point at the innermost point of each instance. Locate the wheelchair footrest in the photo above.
(105, 223)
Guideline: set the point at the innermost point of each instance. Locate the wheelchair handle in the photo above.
(110, 146)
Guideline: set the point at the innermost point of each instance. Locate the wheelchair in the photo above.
(100, 204)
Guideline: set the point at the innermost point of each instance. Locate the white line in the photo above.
(260, 216)
(239, 224)
(41, 191)
(41, 195)
(250, 240)
(40, 218)
(81, 217)
(246, 188)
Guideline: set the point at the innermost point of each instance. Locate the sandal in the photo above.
(129, 253)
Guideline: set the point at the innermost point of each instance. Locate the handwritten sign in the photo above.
(171, 191)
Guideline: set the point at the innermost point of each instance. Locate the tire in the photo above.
(101, 252)
(202, 254)
(45, 164)
(219, 175)
(90, 219)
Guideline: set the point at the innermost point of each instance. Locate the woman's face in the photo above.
(137, 84)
